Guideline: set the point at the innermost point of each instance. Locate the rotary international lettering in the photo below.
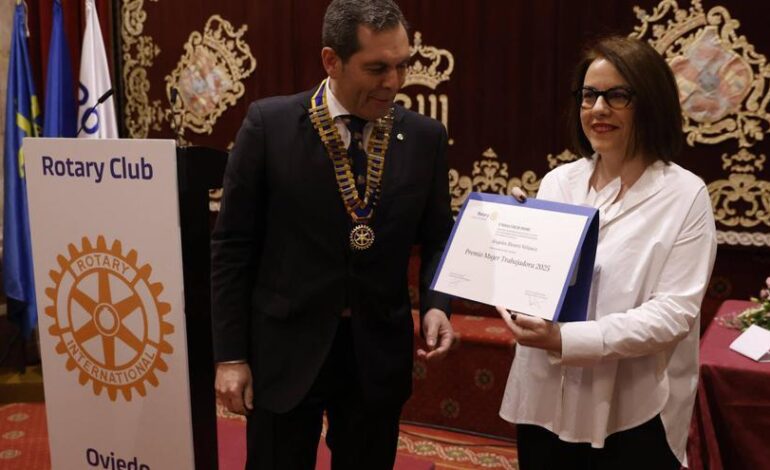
(130, 374)
(101, 260)
(120, 168)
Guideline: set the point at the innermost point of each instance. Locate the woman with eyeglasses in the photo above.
(617, 390)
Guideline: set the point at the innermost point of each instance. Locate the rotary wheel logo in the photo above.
(109, 319)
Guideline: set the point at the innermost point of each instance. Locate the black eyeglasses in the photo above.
(618, 97)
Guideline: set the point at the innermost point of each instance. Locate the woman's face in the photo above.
(607, 128)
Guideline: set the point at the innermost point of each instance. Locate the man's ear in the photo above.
(331, 62)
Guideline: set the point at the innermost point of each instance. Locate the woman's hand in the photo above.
(532, 331)
(519, 194)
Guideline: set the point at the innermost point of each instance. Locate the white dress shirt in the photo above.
(336, 111)
(637, 355)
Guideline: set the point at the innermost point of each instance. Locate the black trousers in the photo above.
(643, 447)
(360, 435)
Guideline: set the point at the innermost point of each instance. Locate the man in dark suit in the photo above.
(325, 194)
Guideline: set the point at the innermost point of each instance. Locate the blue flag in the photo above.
(60, 108)
(22, 119)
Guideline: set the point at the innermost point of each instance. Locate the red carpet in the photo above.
(23, 437)
(419, 448)
(232, 445)
(24, 445)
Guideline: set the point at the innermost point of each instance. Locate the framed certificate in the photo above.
(534, 257)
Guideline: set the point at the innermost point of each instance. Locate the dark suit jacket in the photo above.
(282, 269)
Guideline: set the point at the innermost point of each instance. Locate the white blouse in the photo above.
(637, 355)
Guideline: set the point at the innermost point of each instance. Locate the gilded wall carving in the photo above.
(430, 74)
(742, 200)
(557, 160)
(429, 67)
(726, 102)
(139, 51)
(731, 237)
(724, 83)
(489, 175)
(209, 76)
(724, 88)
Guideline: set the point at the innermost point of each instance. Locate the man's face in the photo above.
(367, 83)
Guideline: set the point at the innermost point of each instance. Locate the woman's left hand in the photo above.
(533, 331)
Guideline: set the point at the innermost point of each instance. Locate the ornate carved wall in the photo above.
(496, 73)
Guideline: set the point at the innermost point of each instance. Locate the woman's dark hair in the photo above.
(657, 131)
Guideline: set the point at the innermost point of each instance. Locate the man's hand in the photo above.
(438, 333)
(234, 387)
(533, 331)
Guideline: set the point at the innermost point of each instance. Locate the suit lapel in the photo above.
(396, 151)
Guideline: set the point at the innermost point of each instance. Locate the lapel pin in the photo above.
(400, 136)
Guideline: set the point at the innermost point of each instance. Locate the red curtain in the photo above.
(39, 17)
(508, 91)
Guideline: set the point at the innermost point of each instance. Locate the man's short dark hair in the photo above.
(657, 131)
(343, 17)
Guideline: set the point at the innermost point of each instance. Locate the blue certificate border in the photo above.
(579, 295)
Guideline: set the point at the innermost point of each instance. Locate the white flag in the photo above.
(96, 120)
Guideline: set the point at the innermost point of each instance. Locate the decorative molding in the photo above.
(139, 52)
(730, 237)
(490, 176)
(438, 69)
(557, 160)
(724, 83)
(209, 75)
(741, 200)
(429, 68)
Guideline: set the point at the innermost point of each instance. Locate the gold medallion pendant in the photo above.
(361, 237)
(360, 207)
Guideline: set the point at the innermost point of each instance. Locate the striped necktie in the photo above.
(357, 151)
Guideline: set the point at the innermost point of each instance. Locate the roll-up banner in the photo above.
(106, 247)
